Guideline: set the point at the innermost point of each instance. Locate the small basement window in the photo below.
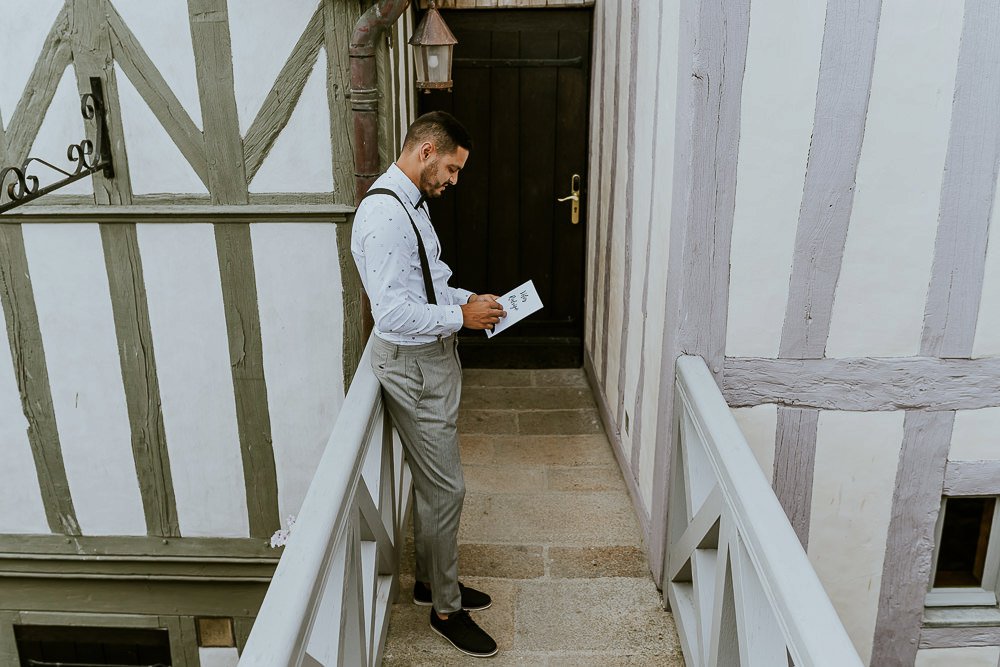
(68, 646)
(967, 555)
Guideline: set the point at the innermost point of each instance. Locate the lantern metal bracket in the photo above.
(25, 187)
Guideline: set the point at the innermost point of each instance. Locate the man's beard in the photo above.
(428, 186)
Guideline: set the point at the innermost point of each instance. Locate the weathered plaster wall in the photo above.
(864, 189)
(628, 202)
(165, 373)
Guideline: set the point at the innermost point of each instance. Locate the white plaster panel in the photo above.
(164, 31)
(778, 103)
(594, 178)
(624, 166)
(976, 435)
(21, 508)
(63, 125)
(979, 656)
(23, 30)
(987, 341)
(263, 34)
(759, 425)
(187, 318)
(155, 164)
(218, 657)
(879, 305)
(640, 172)
(301, 318)
(856, 458)
(299, 160)
(73, 301)
(659, 240)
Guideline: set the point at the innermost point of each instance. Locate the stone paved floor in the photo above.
(549, 531)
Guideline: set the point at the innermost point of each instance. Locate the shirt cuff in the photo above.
(461, 295)
(453, 317)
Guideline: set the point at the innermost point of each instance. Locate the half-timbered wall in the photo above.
(178, 338)
(818, 232)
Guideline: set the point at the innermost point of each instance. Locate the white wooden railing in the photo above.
(739, 582)
(329, 600)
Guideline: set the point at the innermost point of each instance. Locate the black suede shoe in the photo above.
(472, 600)
(464, 634)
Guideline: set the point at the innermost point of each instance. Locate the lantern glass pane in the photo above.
(421, 62)
(439, 63)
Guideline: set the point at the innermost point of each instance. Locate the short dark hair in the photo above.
(441, 129)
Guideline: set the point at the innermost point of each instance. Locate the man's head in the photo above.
(434, 151)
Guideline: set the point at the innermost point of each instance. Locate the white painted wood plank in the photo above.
(975, 435)
(263, 34)
(760, 639)
(299, 297)
(22, 32)
(20, 496)
(164, 31)
(815, 634)
(879, 306)
(779, 98)
(74, 313)
(855, 454)
(63, 125)
(186, 314)
(155, 163)
(299, 160)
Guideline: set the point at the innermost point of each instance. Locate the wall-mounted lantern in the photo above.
(433, 43)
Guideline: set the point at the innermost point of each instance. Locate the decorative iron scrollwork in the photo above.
(85, 161)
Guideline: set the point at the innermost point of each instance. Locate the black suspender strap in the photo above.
(424, 264)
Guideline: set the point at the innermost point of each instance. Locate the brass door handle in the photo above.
(574, 196)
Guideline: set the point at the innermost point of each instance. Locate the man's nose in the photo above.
(454, 179)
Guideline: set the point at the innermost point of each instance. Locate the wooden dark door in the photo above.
(522, 89)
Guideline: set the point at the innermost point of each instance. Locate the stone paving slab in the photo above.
(559, 422)
(551, 377)
(592, 614)
(549, 518)
(528, 398)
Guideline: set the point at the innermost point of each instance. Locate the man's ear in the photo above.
(426, 150)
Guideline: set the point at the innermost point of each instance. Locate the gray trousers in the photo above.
(422, 385)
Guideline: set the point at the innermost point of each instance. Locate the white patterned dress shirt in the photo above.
(388, 261)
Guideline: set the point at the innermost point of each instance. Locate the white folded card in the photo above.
(519, 303)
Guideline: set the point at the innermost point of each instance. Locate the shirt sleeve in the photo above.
(390, 257)
(461, 295)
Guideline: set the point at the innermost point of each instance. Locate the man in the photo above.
(415, 357)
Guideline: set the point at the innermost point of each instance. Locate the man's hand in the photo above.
(482, 312)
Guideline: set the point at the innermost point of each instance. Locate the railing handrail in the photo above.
(814, 632)
(291, 603)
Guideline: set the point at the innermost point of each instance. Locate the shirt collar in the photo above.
(404, 184)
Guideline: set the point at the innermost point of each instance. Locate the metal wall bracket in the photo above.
(25, 187)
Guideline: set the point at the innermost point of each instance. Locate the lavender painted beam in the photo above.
(864, 383)
(794, 466)
(972, 478)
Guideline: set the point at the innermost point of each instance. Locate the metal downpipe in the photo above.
(364, 92)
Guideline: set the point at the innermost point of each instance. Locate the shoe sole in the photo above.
(421, 603)
(474, 655)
